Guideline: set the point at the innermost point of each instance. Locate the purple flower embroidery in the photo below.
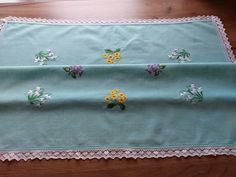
(74, 70)
(155, 69)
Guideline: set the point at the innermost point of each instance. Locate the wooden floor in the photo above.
(220, 166)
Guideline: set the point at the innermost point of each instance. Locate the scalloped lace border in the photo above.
(215, 19)
(116, 153)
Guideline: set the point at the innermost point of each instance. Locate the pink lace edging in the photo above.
(116, 153)
(215, 19)
(224, 37)
(2, 23)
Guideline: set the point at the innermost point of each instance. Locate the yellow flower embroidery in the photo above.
(109, 61)
(121, 100)
(121, 94)
(113, 96)
(107, 99)
(116, 97)
(105, 56)
(111, 56)
(117, 55)
(113, 91)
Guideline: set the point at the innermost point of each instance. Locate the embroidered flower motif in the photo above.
(192, 93)
(155, 69)
(116, 97)
(181, 55)
(74, 70)
(38, 96)
(44, 56)
(111, 56)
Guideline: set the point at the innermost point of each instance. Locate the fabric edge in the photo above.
(122, 21)
(224, 38)
(115, 153)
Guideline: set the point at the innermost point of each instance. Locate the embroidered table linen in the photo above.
(139, 89)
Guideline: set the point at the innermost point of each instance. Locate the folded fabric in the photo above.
(140, 41)
(134, 89)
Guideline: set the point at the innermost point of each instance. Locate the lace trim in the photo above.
(224, 37)
(2, 24)
(215, 19)
(116, 153)
(124, 21)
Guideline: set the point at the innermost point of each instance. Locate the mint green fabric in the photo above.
(77, 118)
(85, 44)
(156, 116)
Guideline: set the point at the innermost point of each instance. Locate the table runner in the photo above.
(114, 89)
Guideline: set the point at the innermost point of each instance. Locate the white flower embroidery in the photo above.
(38, 96)
(181, 55)
(192, 93)
(44, 56)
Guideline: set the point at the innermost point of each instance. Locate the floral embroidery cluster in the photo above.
(44, 56)
(155, 69)
(192, 94)
(38, 96)
(181, 55)
(74, 71)
(116, 97)
(111, 56)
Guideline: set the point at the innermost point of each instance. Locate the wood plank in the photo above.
(220, 166)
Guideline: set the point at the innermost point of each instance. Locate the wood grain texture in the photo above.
(220, 166)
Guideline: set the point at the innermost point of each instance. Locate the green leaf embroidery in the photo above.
(109, 51)
(66, 69)
(122, 106)
(80, 74)
(117, 50)
(73, 75)
(111, 105)
(157, 73)
(162, 66)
